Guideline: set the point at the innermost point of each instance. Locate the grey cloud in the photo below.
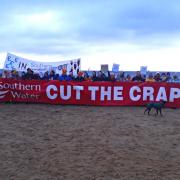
(97, 22)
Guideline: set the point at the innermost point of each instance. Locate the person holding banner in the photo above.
(138, 77)
(120, 76)
(45, 76)
(128, 78)
(94, 77)
(65, 77)
(29, 74)
(150, 78)
(52, 75)
(80, 77)
(157, 77)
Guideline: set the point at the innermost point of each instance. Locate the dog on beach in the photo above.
(155, 105)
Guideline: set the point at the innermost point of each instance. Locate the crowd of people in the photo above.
(94, 76)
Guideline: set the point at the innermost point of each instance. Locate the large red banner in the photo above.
(89, 93)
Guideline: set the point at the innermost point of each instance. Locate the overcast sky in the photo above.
(131, 32)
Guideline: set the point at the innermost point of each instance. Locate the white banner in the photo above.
(17, 63)
(115, 68)
(104, 68)
(143, 70)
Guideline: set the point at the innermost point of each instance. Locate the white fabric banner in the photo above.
(143, 70)
(115, 68)
(17, 63)
(104, 68)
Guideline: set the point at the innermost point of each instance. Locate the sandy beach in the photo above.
(54, 142)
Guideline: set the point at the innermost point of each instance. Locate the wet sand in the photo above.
(53, 142)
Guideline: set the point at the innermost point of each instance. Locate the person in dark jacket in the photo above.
(94, 77)
(46, 76)
(29, 74)
(138, 77)
(52, 75)
(80, 77)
